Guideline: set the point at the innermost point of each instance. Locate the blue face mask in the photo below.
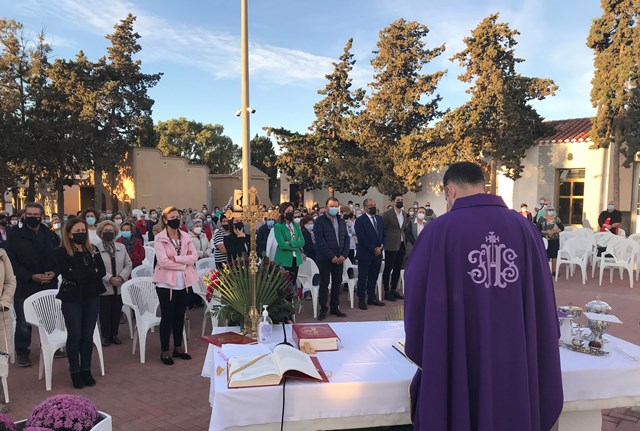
(611, 207)
(333, 211)
(90, 221)
(309, 227)
(270, 223)
(126, 234)
(551, 212)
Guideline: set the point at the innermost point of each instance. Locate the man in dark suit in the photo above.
(332, 249)
(395, 224)
(370, 232)
(31, 251)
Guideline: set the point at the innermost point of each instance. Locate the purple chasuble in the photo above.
(480, 322)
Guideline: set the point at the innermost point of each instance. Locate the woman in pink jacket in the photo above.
(174, 273)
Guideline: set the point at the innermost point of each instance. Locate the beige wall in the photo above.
(162, 181)
(72, 199)
(222, 187)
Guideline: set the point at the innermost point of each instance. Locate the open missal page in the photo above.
(253, 371)
(291, 359)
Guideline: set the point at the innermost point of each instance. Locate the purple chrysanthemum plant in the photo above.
(6, 423)
(64, 413)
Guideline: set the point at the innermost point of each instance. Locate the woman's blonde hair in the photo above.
(165, 213)
(103, 224)
(67, 243)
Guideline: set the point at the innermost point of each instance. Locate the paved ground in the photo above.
(152, 396)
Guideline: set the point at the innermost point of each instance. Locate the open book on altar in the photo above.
(268, 369)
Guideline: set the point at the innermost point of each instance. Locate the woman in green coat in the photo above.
(290, 241)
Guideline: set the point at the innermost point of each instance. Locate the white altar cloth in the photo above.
(369, 384)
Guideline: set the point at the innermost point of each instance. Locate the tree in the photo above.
(329, 156)
(497, 123)
(615, 92)
(263, 157)
(198, 143)
(394, 128)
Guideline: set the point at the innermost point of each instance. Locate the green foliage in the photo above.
(394, 128)
(615, 40)
(198, 143)
(497, 123)
(263, 157)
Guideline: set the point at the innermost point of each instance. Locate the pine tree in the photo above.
(394, 128)
(497, 123)
(615, 40)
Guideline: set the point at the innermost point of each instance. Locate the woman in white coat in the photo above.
(7, 290)
(200, 240)
(118, 265)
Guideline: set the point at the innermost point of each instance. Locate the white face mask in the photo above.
(421, 216)
(117, 221)
(297, 220)
(197, 230)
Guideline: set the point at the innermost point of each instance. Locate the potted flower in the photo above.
(232, 288)
(63, 413)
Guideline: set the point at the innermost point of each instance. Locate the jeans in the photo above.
(368, 271)
(80, 317)
(172, 309)
(110, 311)
(328, 269)
(23, 329)
(393, 261)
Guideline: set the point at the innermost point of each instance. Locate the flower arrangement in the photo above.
(6, 424)
(64, 413)
(231, 285)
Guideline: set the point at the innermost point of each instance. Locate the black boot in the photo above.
(87, 378)
(76, 379)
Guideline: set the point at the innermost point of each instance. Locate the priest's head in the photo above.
(462, 179)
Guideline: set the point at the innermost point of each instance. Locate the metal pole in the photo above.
(244, 64)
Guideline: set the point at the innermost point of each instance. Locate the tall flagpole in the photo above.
(244, 65)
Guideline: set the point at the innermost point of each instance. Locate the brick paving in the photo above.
(152, 396)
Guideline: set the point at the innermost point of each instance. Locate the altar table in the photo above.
(369, 386)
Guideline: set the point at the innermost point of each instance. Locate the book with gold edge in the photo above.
(317, 336)
(227, 338)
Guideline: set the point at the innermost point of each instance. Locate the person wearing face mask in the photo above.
(153, 227)
(13, 224)
(358, 213)
(478, 258)
(47, 221)
(370, 231)
(209, 226)
(263, 235)
(118, 266)
(4, 234)
(288, 236)
(332, 249)
(90, 216)
(524, 213)
(31, 250)
(610, 219)
(415, 228)
(542, 205)
(56, 226)
(219, 252)
(297, 216)
(174, 273)
(82, 270)
(132, 243)
(350, 219)
(237, 242)
(119, 218)
(550, 226)
(199, 238)
(395, 225)
(427, 206)
(309, 248)
(141, 224)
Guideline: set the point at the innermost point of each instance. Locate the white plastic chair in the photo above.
(150, 255)
(636, 237)
(575, 251)
(142, 271)
(619, 254)
(201, 290)
(272, 245)
(309, 280)
(350, 281)
(140, 294)
(379, 284)
(43, 310)
(566, 235)
(622, 233)
(569, 228)
(601, 239)
(207, 263)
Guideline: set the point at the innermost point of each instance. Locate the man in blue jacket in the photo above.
(370, 232)
(332, 249)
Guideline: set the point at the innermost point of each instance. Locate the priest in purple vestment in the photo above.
(480, 317)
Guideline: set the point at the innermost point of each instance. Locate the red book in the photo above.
(317, 336)
(227, 338)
